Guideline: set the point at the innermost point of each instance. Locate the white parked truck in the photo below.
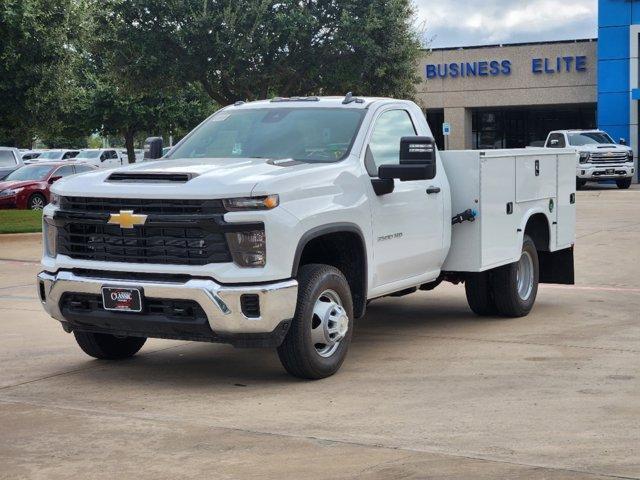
(275, 222)
(599, 156)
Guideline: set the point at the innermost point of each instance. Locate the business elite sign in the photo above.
(496, 68)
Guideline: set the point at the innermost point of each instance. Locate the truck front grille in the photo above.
(609, 157)
(144, 206)
(160, 245)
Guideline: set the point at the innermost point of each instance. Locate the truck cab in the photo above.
(274, 223)
(600, 158)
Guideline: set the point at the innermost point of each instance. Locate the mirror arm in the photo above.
(383, 186)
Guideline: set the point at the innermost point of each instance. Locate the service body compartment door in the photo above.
(566, 222)
(499, 223)
(535, 177)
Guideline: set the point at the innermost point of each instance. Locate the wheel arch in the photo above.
(352, 262)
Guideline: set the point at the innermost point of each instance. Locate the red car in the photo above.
(28, 186)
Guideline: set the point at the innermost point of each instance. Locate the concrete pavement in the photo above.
(428, 390)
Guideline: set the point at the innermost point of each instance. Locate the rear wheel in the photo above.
(108, 347)
(36, 202)
(623, 183)
(477, 286)
(320, 333)
(515, 286)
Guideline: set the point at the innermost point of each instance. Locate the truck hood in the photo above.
(603, 147)
(209, 178)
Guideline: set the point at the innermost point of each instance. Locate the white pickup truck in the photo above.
(599, 156)
(274, 223)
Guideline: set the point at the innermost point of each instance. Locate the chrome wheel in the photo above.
(36, 203)
(329, 324)
(525, 275)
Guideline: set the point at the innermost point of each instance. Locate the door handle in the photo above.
(431, 190)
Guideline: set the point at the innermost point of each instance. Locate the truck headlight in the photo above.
(584, 157)
(248, 249)
(54, 199)
(251, 203)
(50, 234)
(630, 157)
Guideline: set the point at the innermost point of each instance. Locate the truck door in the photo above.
(407, 223)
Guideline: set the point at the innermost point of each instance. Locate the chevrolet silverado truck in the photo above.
(274, 224)
(599, 156)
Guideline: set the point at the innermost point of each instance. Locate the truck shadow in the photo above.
(201, 365)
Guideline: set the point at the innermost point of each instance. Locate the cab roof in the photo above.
(348, 101)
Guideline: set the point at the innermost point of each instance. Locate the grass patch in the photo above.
(20, 221)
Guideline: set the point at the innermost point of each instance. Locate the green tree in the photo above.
(36, 59)
(248, 49)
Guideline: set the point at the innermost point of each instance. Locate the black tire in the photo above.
(477, 286)
(297, 353)
(504, 282)
(580, 183)
(623, 183)
(108, 347)
(37, 201)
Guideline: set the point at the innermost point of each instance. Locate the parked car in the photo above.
(28, 186)
(101, 157)
(30, 155)
(56, 155)
(600, 157)
(10, 160)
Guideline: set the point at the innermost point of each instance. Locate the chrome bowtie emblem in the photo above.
(127, 219)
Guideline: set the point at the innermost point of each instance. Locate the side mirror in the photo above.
(153, 148)
(417, 161)
(406, 173)
(623, 141)
(54, 179)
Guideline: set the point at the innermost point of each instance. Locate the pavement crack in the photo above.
(150, 417)
(488, 340)
(84, 369)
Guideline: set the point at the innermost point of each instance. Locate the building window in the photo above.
(527, 126)
(435, 117)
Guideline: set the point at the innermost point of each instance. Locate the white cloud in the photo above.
(453, 23)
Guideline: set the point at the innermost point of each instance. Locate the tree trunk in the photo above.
(128, 142)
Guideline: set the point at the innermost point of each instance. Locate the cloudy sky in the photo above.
(456, 23)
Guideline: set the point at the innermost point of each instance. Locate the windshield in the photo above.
(51, 155)
(88, 154)
(7, 159)
(588, 138)
(306, 134)
(30, 172)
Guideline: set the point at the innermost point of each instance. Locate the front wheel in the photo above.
(515, 286)
(623, 183)
(108, 347)
(320, 333)
(36, 202)
(580, 183)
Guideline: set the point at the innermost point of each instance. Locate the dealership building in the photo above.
(511, 96)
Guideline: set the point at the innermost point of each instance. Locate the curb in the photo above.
(19, 236)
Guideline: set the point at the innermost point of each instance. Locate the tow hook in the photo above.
(466, 216)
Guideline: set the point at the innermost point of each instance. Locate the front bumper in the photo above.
(225, 320)
(587, 171)
(9, 201)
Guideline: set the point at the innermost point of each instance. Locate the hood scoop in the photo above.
(150, 177)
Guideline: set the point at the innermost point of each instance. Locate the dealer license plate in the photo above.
(610, 171)
(122, 299)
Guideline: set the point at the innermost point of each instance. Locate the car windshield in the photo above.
(306, 134)
(588, 138)
(88, 154)
(51, 155)
(7, 159)
(29, 172)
